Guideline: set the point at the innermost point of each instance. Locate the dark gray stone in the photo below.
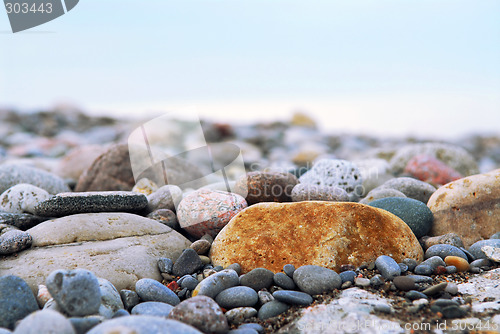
(451, 269)
(258, 279)
(214, 284)
(403, 267)
(129, 298)
(83, 325)
(150, 290)
(144, 324)
(166, 217)
(272, 309)
(16, 300)
(377, 280)
(315, 280)
(65, 204)
(475, 249)
(22, 221)
(289, 269)
(293, 297)
(348, 275)
(413, 212)
(411, 263)
(387, 267)
(404, 283)
(452, 311)
(76, 292)
(165, 265)
(238, 296)
(479, 263)
(434, 262)
(444, 250)
(188, 263)
(14, 241)
(157, 309)
(413, 295)
(284, 281)
(423, 269)
(189, 282)
(12, 174)
(236, 267)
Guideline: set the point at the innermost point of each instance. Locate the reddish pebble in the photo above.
(173, 285)
(429, 169)
(440, 270)
(460, 263)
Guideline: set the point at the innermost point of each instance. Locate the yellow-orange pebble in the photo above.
(457, 261)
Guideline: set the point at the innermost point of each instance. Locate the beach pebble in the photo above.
(377, 280)
(43, 295)
(404, 283)
(492, 253)
(235, 266)
(77, 291)
(111, 300)
(12, 174)
(214, 284)
(150, 290)
(362, 282)
(240, 314)
(415, 295)
(166, 217)
(311, 192)
(187, 263)
(293, 297)
(165, 265)
(423, 269)
(272, 309)
(411, 263)
(420, 278)
(315, 280)
(201, 246)
(157, 309)
(14, 241)
(387, 267)
(258, 328)
(411, 188)
(265, 297)
(189, 282)
(207, 212)
(429, 169)
(129, 298)
(289, 269)
(266, 187)
(83, 325)
(45, 321)
(16, 300)
(258, 279)
(448, 238)
(65, 204)
(335, 173)
(237, 296)
(379, 193)
(22, 198)
(451, 269)
(460, 263)
(201, 312)
(347, 275)
(476, 248)
(145, 186)
(143, 324)
(430, 291)
(166, 197)
(451, 288)
(284, 281)
(22, 221)
(443, 250)
(413, 212)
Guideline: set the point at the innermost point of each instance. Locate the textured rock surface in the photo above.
(22, 198)
(92, 241)
(201, 312)
(328, 234)
(469, 207)
(207, 212)
(266, 187)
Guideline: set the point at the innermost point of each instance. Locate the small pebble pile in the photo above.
(321, 228)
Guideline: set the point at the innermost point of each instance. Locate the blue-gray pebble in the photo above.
(150, 290)
(293, 297)
(434, 262)
(16, 300)
(315, 280)
(189, 282)
(348, 275)
(475, 249)
(423, 269)
(145, 324)
(289, 269)
(414, 294)
(238, 296)
(157, 309)
(387, 267)
(188, 262)
(45, 321)
(77, 291)
(272, 309)
(258, 279)
(444, 250)
(258, 328)
(413, 212)
(83, 325)
(165, 265)
(284, 281)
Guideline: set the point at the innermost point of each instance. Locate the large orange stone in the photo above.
(469, 207)
(326, 234)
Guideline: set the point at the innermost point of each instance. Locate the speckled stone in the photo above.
(77, 292)
(315, 280)
(448, 238)
(65, 204)
(45, 321)
(14, 241)
(311, 192)
(411, 187)
(207, 212)
(150, 290)
(266, 187)
(239, 314)
(258, 278)
(188, 263)
(201, 246)
(143, 324)
(157, 309)
(443, 250)
(129, 298)
(293, 297)
(336, 173)
(16, 300)
(413, 212)
(22, 221)
(272, 309)
(165, 265)
(284, 281)
(22, 198)
(214, 284)
(12, 174)
(201, 312)
(387, 267)
(237, 296)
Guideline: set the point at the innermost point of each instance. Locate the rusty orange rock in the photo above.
(469, 207)
(327, 234)
(460, 263)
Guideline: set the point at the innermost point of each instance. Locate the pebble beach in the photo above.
(322, 232)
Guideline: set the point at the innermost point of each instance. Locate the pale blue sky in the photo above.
(412, 66)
